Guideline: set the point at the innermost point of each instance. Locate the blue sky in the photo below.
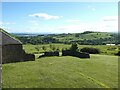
(59, 17)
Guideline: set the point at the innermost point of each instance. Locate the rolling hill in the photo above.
(85, 38)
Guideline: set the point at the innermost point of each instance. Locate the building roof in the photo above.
(6, 38)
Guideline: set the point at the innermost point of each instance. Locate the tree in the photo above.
(44, 48)
(53, 48)
(58, 49)
(50, 46)
(118, 53)
(37, 48)
(74, 47)
(77, 35)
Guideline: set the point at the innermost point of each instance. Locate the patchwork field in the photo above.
(100, 71)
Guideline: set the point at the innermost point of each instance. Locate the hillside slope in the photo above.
(85, 38)
(100, 71)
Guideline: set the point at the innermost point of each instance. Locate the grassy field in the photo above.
(106, 50)
(100, 71)
(89, 36)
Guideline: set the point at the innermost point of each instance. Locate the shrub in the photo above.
(90, 50)
(74, 47)
(44, 48)
(118, 54)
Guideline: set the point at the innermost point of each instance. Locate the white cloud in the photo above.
(45, 16)
(72, 20)
(110, 18)
(110, 23)
(77, 28)
(106, 24)
(100, 26)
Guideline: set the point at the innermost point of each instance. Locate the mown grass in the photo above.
(100, 71)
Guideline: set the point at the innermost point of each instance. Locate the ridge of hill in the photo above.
(85, 38)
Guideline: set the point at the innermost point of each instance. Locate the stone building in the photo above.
(11, 49)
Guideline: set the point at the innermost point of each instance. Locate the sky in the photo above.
(59, 17)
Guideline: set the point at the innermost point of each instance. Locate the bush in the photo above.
(118, 54)
(90, 50)
(74, 47)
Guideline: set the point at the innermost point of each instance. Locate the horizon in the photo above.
(54, 33)
(59, 17)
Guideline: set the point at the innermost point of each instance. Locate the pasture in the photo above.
(100, 71)
(105, 50)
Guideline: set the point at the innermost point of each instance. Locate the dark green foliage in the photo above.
(118, 54)
(77, 34)
(52, 47)
(85, 38)
(44, 48)
(87, 32)
(112, 48)
(37, 48)
(58, 49)
(49, 40)
(73, 51)
(35, 40)
(90, 50)
(74, 47)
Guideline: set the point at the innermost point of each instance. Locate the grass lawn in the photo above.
(100, 71)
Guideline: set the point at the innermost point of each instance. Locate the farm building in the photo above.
(110, 44)
(11, 49)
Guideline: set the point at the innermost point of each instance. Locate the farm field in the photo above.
(100, 71)
(104, 49)
(59, 45)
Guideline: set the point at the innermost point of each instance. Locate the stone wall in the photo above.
(75, 54)
(15, 53)
(52, 53)
(12, 53)
(55, 53)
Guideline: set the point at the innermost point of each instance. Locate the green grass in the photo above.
(89, 36)
(100, 71)
(106, 50)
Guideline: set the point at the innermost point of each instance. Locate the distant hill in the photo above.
(86, 38)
